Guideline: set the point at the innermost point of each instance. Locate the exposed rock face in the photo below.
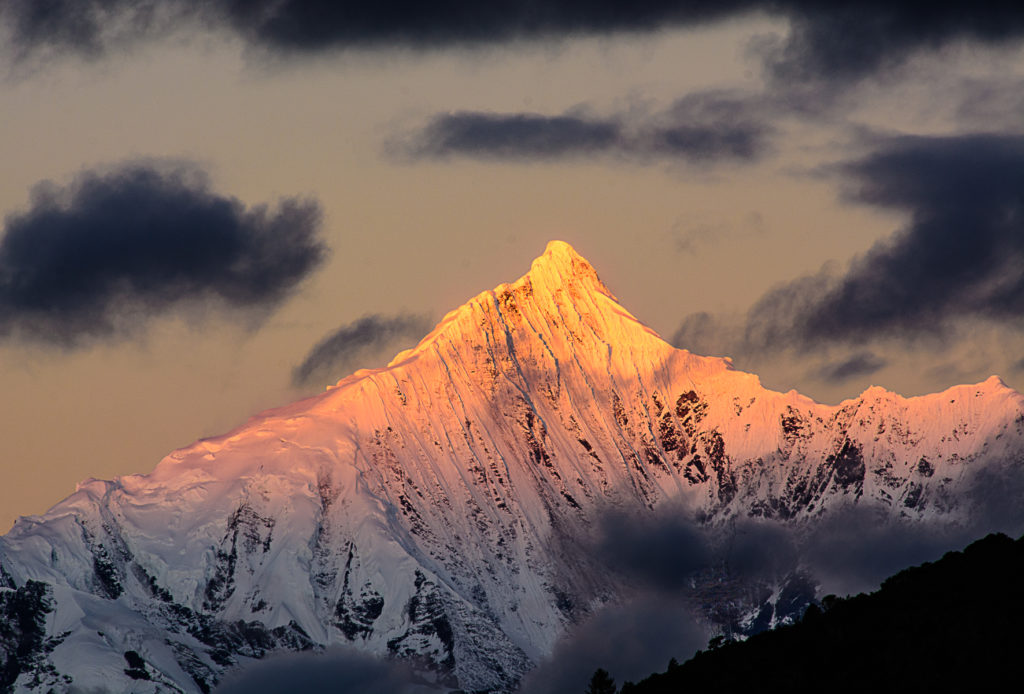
(436, 510)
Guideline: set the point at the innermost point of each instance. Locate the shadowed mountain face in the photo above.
(443, 510)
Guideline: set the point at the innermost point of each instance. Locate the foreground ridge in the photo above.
(439, 510)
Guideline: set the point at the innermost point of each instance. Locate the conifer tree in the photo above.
(601, 683)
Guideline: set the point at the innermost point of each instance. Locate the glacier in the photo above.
(441, 510)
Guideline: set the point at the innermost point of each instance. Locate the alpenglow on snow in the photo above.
(439, 510)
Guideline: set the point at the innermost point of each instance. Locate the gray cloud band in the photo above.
(833, 41)
(704, 127)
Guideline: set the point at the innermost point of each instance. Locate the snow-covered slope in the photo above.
(436, 509)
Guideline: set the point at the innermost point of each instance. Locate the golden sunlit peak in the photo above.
(560, 254)
(561, 262)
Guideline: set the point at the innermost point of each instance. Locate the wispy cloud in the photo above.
(365, 339)
(861, 363)
(98, 258)
(704, 127)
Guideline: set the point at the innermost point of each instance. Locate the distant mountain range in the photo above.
(444, 510)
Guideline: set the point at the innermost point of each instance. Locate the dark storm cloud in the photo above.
(758, 549)
(863, 363)
(314, 24)
(994, 497)
(336, 670)
(959, 258)
(336, 354)
(97, 258)
(849, 39)
(88, 28)
(993, 103)
(834, 41)
(961, 255)
(703, 127)
(660, 554)
(661, 550)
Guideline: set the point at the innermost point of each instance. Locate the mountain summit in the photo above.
(565, 266)
(561, 299)
(440, 510)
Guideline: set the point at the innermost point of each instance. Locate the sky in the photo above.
(214, 208)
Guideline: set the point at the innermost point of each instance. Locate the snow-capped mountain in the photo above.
(437, 510)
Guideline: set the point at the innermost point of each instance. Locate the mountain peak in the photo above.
(561, 255)
(561, 299)
(427, 511)
(560, 264)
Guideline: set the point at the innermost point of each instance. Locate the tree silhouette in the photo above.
(601, 683)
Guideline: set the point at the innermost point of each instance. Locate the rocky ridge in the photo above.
(439, 510)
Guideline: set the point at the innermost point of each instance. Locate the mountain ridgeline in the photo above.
(443, 510)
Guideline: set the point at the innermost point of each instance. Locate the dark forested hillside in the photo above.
(955, 624)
